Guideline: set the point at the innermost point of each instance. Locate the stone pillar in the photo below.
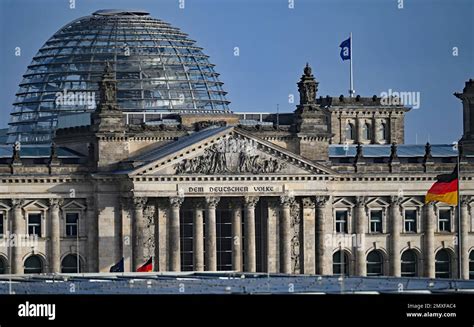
(127, 234)
(211, 241)
(16, 262)
(464, 236)
(174, 238)
(395, 231)
(250, 243)
(236, 206)
(55, 230)
(162, 234)
(92, 236)
(323, 260)
(138, 232)
(198, 236)
(285, 234)
(429, 251)
(309, 236)
(361, 230)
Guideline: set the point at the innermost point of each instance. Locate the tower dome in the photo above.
(158, 68)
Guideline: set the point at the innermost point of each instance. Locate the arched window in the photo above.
(384, 132)
(471, 265)
(366, 131)
(33, 265)
(443, 264)
(3, 266)
(350, 131)
(340, 264)
(374, 264)
(69, 264)
(409, 264)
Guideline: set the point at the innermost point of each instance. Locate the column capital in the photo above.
(361, 201)
(396, 200)
(55, 203)
(429, 205)
(212, 201)
(251, 201)
(465, 200)
(322, 200)
(176, 202)
(235, 203)
(198, 203)
(125, 203)
(287, 200)
(308, 203)
(17, 203)
(139, 202)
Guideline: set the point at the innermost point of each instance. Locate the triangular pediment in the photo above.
(223, 151)
(411, 202)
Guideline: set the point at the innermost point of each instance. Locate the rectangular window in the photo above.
(34, 224)
(1, 225)
(376, 221)
(72, 219)
(444, 220)
(341, 221)
(410, 221)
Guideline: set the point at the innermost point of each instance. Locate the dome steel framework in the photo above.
(158, 68)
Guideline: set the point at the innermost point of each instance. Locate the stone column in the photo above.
(250, 246)
(360, 229)
(138, 232)
(16, 262)
(464, 236)
(127, 234)
(55, 230)
(309, 236)
(323, 261)
(92, 236)
(430, 223)
(395, 231)
(162, 234)
(285, 234)
(174, 238)
(198, 236)
(211, 241)
(236, 206)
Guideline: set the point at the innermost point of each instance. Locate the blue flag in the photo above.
(346, 49)
(118, 267)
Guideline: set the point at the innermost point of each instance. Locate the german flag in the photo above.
(147, 266)
(445, 189)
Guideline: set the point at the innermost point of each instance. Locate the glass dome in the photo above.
(158, 68)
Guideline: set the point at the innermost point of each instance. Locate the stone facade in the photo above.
(231, 197)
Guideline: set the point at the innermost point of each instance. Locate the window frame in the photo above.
(41, 215)
(415, 264)
(66, 212)
(381, 263)
(346, 222)
(449, 262)
(449, 221)
(415, 222)
(382, 214)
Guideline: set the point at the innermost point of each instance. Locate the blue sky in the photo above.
(409, 49)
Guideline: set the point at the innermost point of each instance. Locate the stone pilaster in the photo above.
(174, 237)
(250, 242)
(360, 229)
(430, 223)
(211, 234)
(138, 232)
(162, 234)
(55, 230)
(395, 231)
(465, 200)
(92, 236)
(126, 232)
(17, 231)
(323, 260)
(236, 206)
(198, 235)
(309, 236)
(285, 234)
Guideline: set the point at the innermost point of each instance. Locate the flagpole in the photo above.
(351, 90)
(459, 218)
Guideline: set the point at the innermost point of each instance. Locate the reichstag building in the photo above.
(122, 144)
